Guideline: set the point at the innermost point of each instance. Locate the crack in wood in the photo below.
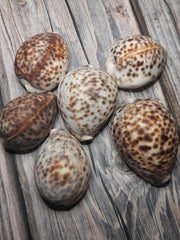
(48, 14)
(137, 11)
(92, 160)
(5, 27)
(173, 17)
(77, 31)
(116, 210)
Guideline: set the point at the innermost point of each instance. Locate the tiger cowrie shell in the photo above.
(146, 137)
(27, 120)
(62, 169)
(86, 98)
(135, 61)
(41, 61)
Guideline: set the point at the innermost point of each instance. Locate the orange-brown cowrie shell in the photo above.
(27, 120)
(147, 139)
(41, 61)
(135, 61)
(62, 169)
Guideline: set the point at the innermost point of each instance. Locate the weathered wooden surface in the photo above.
(118, 204)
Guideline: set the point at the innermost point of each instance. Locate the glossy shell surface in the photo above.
(27, 120)
(62, 169)
(146, 136)
(135, 61)
(86, 98)
(41, 61)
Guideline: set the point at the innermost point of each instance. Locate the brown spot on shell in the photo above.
(144, 148)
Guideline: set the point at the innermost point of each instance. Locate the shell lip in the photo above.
(29, 86)
(80, 138)
(137, 87)
(83, 138)
(159, 182)
(57, 206)
(11, 148)
(153, 180)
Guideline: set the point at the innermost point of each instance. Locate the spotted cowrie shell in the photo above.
(86, 98)
(41, 61)
(135, 61)
(62, 169)
(146, 136)
(27, 120)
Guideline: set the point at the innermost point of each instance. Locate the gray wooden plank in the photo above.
(118, 204)
(13, 216)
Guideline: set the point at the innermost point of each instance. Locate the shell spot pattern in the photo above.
(41, 61)
(27, 120)
(62, 169)
(146, 136)
(135, 61)
(86, 98)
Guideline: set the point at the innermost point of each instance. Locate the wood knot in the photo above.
(120, 9)
(22, 2)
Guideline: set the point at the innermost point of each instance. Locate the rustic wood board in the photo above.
(118, 204)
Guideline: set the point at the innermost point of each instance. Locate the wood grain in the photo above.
(118, 204)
